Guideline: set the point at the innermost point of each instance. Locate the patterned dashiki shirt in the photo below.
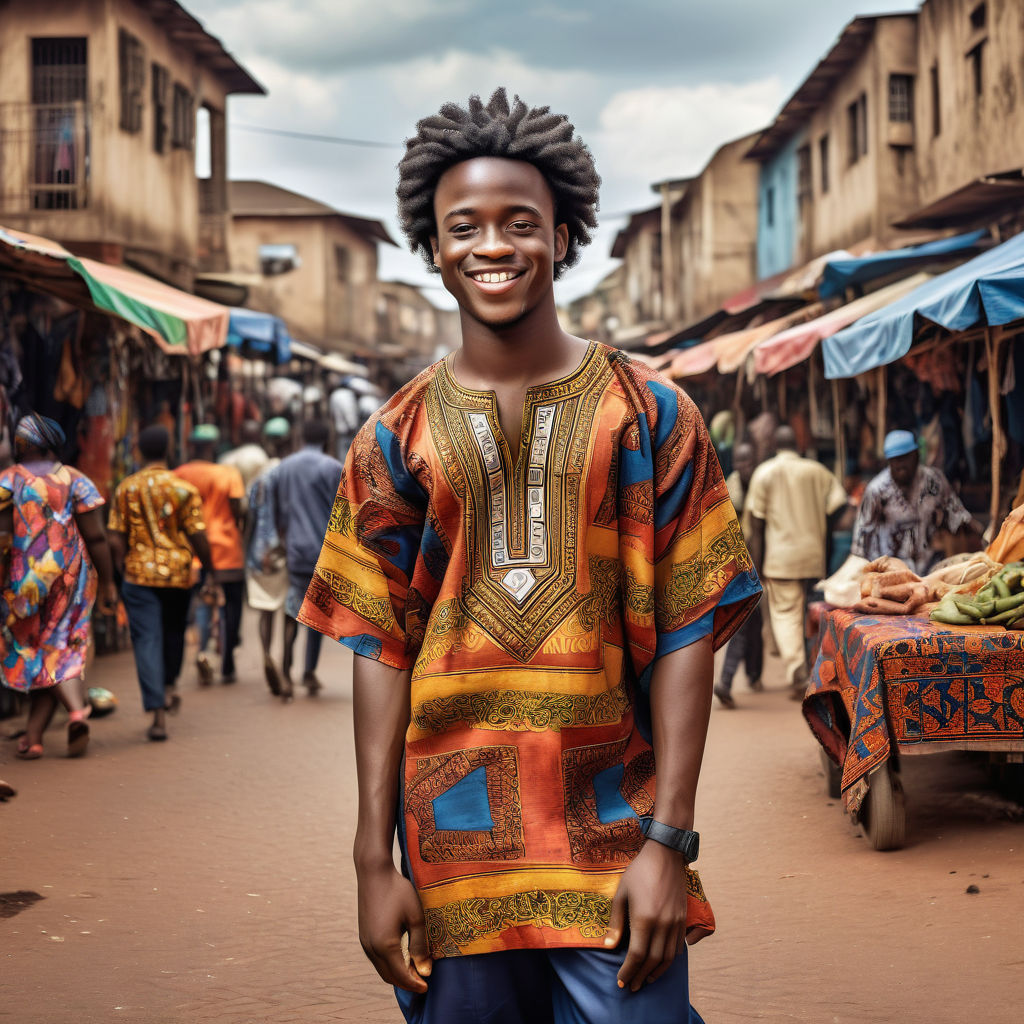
(530, 600)
(890, 522)
(158, 512)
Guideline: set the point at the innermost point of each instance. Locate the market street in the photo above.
(209, 878)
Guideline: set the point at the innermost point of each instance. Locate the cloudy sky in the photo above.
(653, 86)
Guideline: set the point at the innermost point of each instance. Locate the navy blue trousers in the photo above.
(547, 986)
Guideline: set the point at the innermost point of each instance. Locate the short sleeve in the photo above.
(687, 573)
(117, 521)
(835, 497)
(236, 485)
(84, 495)
(757, 494)
(360, 590)
(191, 512)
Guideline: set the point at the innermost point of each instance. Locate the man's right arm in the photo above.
(388, 904)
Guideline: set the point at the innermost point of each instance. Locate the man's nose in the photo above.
(493, 243)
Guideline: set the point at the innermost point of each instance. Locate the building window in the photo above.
(823, 159)
(976, 60)
(857, 123)
(183, 123)
(161, 80)
(936, 108)
(132, 61)
(342, 262)
(279, 259)
(901, 98)
(60, 139)
(979, 17)
(769, 207)
(803, 173)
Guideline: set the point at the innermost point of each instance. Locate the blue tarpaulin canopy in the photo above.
(986, 291)
(260, 332)
(845, 273)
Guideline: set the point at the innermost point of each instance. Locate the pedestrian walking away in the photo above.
(54, 559)
(746, 648)
(222, 491)
(266, 573)
(156, 525)
(250, 458)
(304, 488)
(509, 558)
(793, 503)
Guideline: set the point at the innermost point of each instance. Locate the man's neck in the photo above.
(532, 350)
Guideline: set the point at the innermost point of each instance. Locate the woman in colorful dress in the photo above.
(49, 520)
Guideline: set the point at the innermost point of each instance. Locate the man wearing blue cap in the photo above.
(904, 506)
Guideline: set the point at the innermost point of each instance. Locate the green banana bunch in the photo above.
(1000, 602)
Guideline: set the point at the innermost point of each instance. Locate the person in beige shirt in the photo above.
(792, 502)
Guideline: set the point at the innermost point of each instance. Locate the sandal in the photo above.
(29, 751)
(173, 705)
(157, 733)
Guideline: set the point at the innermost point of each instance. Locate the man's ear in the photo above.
(561, 242)
(435, 249)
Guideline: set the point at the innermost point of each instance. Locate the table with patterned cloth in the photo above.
(921, 685)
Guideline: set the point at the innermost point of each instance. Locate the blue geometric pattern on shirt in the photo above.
(465, 807)
(611, 805)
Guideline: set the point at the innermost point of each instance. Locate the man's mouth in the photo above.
(494, 276)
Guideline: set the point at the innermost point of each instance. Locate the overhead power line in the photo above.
(336, 140)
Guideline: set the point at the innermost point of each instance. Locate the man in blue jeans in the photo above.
(156, 524)
(305, 485)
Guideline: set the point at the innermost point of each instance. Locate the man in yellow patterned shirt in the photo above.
(156, 524)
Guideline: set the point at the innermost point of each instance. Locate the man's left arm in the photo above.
(652, 892)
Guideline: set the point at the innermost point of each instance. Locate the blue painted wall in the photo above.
(777, 236)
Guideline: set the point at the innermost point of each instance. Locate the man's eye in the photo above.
(462, 229)
(522, 225)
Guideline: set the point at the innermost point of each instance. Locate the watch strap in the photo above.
(681, 839)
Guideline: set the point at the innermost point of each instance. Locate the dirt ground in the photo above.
(209, 878)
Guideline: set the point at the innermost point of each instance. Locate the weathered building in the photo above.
(841, 152)
(968, 102)
(713, 229)
(639, 246)
(410, 328)
(316, 267)
(99, 106)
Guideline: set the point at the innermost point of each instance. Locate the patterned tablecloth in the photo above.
(925, 686)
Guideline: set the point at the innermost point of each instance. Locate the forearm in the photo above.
(201, 546)
(102, 560)
(381, 709)
(681, 688)
(118, 546)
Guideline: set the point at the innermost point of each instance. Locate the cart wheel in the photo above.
(833, 775)
(884, 811)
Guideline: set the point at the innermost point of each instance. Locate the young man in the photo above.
(533, 556)
(793, 503)
(156, 524)
(221, 490)
(305, 484)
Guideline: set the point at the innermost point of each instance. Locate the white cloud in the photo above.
(669, 132)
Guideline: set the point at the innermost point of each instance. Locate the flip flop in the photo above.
(157, 733)
(29, 752)
(78, 737)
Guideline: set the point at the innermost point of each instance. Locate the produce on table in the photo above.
(889, 587)
(999, 602)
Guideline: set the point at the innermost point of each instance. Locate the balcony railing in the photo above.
(44, 156)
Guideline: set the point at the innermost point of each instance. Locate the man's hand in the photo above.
(106, 602)
(389, 907)
(652, 892)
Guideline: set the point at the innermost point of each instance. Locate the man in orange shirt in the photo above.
(221, 489)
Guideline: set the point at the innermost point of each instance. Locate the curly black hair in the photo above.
(534, 135)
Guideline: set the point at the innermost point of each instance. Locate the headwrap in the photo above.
(40, 432)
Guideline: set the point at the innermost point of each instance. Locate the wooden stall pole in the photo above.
(993, 337)
(882, 396)
(837, 419)
(780, 382)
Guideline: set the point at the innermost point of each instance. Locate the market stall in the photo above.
(890, 685)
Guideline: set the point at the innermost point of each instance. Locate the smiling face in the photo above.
(497, 242)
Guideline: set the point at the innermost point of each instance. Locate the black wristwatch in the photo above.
(681, 839)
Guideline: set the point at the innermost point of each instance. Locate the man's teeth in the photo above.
(495, 278)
